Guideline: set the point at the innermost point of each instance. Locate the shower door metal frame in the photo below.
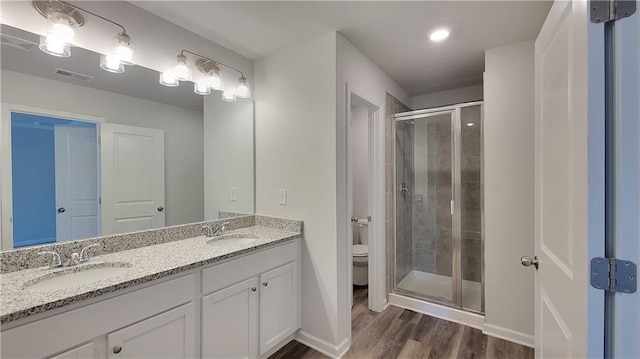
(456, 220)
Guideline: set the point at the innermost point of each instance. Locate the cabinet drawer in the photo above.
(237, 270)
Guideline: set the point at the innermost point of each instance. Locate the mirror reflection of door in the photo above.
(77, 190)
(54, 172)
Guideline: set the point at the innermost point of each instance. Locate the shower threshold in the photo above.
(440, 288)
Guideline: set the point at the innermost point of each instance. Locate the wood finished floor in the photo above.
(401, 333)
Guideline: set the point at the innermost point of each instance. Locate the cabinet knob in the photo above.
(117, 349)
(253, 289)
(265, 284)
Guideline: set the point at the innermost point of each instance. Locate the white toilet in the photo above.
(360, 254)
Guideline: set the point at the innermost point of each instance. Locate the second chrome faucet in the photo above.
(213, 231)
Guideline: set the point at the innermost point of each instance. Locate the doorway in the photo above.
(54, 177)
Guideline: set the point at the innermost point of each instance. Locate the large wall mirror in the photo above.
(87, 153)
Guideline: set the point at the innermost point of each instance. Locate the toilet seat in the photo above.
(360, 250)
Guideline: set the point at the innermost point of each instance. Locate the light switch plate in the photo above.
(233, 194)
(282, 196)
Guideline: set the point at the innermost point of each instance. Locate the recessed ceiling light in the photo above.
(439, 34)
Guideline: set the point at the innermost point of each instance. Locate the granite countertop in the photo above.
(146, 264)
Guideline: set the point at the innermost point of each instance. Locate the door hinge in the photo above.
(99, 140)
(601, 11)
(614, 275)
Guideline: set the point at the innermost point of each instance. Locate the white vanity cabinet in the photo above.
(278, 316)
(168, 335)
(246, 307)
(229, 321)
(254, 307)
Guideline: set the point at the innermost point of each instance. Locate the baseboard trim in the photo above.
(509, 334)
(439, 311)
(279, 346)
(321, 345)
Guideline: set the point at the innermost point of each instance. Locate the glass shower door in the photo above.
(424, 150)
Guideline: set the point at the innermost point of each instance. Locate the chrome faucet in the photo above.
(220, 230)
(212, 231)
(56, 262)
(84, 255)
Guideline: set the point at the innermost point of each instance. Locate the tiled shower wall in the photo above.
(432, 222)
(405, 177)
(393, 106)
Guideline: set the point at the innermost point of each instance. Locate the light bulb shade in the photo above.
(60, 34)
(215, 81)
(243, 90)
(168, 78)
(124, 48)
(228, 96)
(202, 87)
(111, 63)
(182, 71)
(54, 46)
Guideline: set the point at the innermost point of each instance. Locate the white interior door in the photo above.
(77, 185)
(132, 178)
(562, 183)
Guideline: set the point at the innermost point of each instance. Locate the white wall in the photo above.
(371, 83)
(183, 132)
(360, 160)
(295, 150)
(509, 189)
(157, 40)
(228, 156)
(449, 97)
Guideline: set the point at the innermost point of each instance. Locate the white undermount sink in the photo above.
(232, 239)
(76, 276)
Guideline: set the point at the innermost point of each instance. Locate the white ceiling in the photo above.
(393, 34)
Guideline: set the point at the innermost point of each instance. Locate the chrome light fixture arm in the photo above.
(214, 62)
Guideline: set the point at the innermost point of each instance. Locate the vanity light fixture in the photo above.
(439, 34)
(212, 79)
(64, 18)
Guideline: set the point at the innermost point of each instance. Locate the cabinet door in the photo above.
(167, 335)
(277, 306)
(229, 322)
(82, 352)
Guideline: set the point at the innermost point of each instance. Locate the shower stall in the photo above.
(438, 206)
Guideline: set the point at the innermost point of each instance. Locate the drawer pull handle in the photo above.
(265, 284)
(253, 289)
(117, 349)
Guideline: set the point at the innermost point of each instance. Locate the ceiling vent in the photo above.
(73, 75)
(18, 43)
